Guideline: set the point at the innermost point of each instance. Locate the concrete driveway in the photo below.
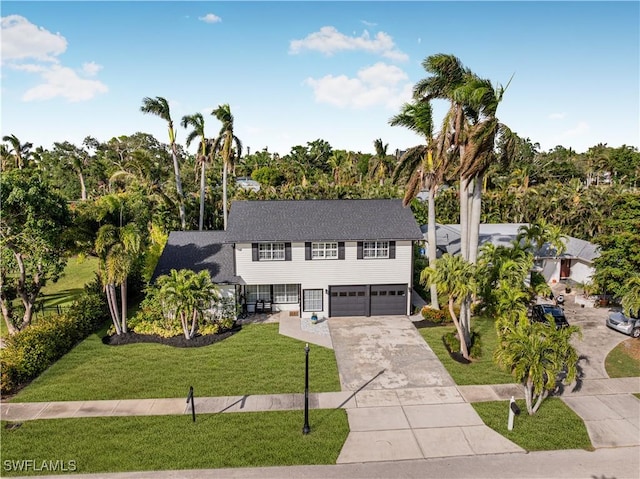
(384, 352)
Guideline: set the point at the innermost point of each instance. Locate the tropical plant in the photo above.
(224, 144)
(539, 356)
(196, 121)
(631, 296)
(159, 107)
(456, 278)
(119, 249)
(21, 151)
(186, 295)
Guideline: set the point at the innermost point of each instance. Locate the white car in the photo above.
(625, 324)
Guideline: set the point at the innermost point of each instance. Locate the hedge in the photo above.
(32, 350)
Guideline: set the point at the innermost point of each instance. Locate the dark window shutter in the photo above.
(392, 249)
(307, 251)
(341, 250)
(359, 249)
(254, 252)
(287, 251)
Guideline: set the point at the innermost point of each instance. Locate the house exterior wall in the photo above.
(320, 274)
(581, 271)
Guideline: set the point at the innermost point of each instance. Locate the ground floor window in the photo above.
(258, 292)
(312, 299)
(285, 293)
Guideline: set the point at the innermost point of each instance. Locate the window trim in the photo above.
(258, 287)
(304, 306)
(287, 293)
(377, 248)
(324, 247)
(270, 249)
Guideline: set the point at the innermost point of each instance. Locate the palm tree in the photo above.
(424, 168)
(159, 106)
(378, 164)
(224, 143)
(536, 354)
(455, 278)
(118, 249)
(196, 121)
(631, 298)
(21, 151)
(187, 295)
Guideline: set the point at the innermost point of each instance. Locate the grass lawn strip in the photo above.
(554, 426)
(117, 444)
(481, 371)
(624, 360)
(256, 360)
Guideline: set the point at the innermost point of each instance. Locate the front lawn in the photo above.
(554, 426)
(146, 443)
(624, 360)
(480, 371)
(256, 360)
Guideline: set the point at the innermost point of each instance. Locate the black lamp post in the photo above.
(306, 429)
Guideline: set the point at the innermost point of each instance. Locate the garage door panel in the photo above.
(388, 299)
(348, 300)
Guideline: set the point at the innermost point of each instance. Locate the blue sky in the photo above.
(297, 71)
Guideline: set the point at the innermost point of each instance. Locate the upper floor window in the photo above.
(324, 250)
(375, 249)
(271, 251)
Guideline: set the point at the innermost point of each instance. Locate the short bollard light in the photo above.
(193, 405)
(514, 410)
(306, 429)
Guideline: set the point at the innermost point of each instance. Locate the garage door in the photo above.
(388, 299)
(348, 301)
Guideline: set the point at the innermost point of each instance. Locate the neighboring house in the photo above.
(575, 264)
(330, 257)
(247, 184)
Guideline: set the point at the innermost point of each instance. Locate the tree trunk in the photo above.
(185, 326)
(463, 344)
(6, 314)
(176, 170)
(474, 219)
(528, 392)
(110, 291)
(83, 188)
(194, 323)
(431, 239)
(224, 195)
(464, 218)
(541, 397)
(202, 189)
(123, 301)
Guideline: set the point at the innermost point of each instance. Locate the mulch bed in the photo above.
(176, 341)
(429, 324)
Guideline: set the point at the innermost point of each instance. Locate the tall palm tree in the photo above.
(424, 168)
(224, 144)
(21, 151)
(455, 278)
(196, 121)
(118, 249)
(159, 107)
(378, 164)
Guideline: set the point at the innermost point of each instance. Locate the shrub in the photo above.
(452, 343)
(438, 316)
(29, 352)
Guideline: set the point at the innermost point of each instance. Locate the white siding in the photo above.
(320, 274)
(581, 272)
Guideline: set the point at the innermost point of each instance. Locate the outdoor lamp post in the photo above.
(306, 429)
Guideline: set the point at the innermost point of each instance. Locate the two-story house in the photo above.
(329, 257)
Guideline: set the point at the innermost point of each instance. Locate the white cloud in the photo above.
(368, 24)
(557, 116)
(580, 129)
(210, 18)
(22, 39)
(91, 68)
(379, 84)
(329, 40)
(59, 81)
(27, 67)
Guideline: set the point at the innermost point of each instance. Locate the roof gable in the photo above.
(317, 220)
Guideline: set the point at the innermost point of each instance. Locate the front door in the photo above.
(565, 268)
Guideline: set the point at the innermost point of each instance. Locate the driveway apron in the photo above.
(384, 352)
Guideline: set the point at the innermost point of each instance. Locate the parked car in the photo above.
(539, 314)
(625, 324)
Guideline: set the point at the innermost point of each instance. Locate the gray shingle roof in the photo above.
(198, 250)
(317, 220)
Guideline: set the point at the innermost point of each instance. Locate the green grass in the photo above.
(62, 293)
(118, 444)
(257, 360)
(480, 371)
(554, 426)
(619, 363)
